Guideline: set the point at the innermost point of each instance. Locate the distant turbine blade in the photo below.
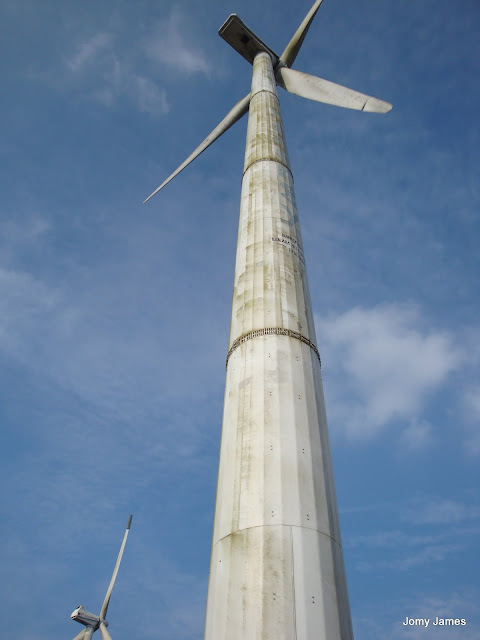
(104, 632)
(81, 635)
(293, 47)
(88, 633)
(239, 110)
(106, 602)
(313, 88)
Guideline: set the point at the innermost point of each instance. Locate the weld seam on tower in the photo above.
(265, 91)
(291, 526)
(269, 159)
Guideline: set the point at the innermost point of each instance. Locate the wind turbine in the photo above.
(248, 45)
(277, 568)
(91, 621)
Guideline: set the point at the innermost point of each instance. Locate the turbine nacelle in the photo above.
(244, 41)
(81, 615)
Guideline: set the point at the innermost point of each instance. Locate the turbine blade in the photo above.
(106, 602)
(313, 88)
(293, 47)
(88, 633)
(104, 632)
(81, 635)
(239, 110)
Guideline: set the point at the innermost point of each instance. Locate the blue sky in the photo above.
(115, 316)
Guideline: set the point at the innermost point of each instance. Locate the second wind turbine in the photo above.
(277, 569)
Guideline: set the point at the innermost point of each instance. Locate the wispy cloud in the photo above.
(417, 436)
(150, 98)
(390, 364)
(89, 51)
(106, 73)
(427, 555)
(418, 540)
(434, 511)
(168, 46)
(73, 330)
(23, 298)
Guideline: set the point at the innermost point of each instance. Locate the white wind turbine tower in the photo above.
(277, 568)
(91, 621)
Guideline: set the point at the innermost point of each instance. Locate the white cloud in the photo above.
(169, 47)
(23, 237)
(428, 555)
(22, 300)
(417, 435)
(106, 74)
(103, 69)
(73, 328)
(388, 539)
(402, 549)
(88, 51)
(441, 512)
(150, 98)
(387, 364)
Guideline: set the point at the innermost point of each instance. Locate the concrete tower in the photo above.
(277, 569)
(277, 564)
